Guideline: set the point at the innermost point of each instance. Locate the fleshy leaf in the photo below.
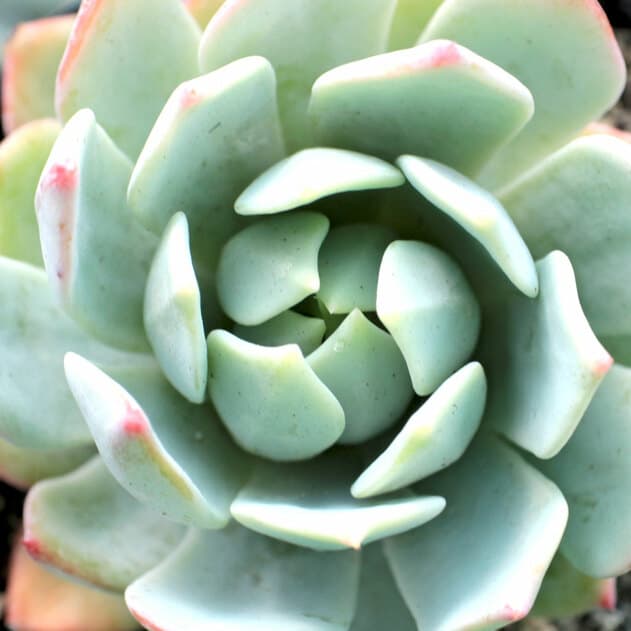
(270, 266)
(192, 163)
(172, 314)
(348, 264)
(543, 361)
(379, 605)
(425, 302)
(312, 174)
(76, 522)
(123, 60)
(434, 437)
(484, 558)
(479, 213)
(270, 399)
(578, 201)
(309, 504)
(31, 58)
(23, 155)
(420, 112)
(167, 452)
(236, 580)
(97, 257)
(410, 18)
(364, 369)
(38, 411)
(567, 592)
(21, 467)
(592, 471)
(564, 52)
(287, 328)
(289, 34)
(203, 10)
(38, 599)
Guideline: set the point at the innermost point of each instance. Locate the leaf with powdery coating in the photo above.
(34, 335)
(308, 504)
(312, 174)
(426, 303)
(123, 60)
(379, 603)
(37, 598)
(97, 256)
(567, 592)
(31, 58)
(363, 367)
(23, 155)
(477, 212)
(167, 452)
(75, 522)
(234, 579)
(289, 34)
(420, 112)
(191, 162)
(484, 558)
(577, 201)
(173, 316)
(543, 361)
(434, 437)
(563, 51)
(287, 328)
(21, 467)
(593, 471)
(270, 399)
(270, 266)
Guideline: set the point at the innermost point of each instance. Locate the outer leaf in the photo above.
(308, 504)
(425, 302)
(485, 556)
(543, 362)
(592, 471)
(76, 522)
(270, 266)
(420, 112)
(36, 598)
(365, 370)
(192, 163)
(22, 467)
(380, 605)
(289, 34)
(479, 213)
(165, 451)
(312, 174)
(270, 399)
(96, 256)
(15, 11)
(31, 58)
(172, 314)
(434, 437)
(564, 52)
(567, 592)
(22, 157)
(236, 580)
(38, 411)
(123, 61)
(578, 201)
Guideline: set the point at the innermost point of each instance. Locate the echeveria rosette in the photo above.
(291, 287)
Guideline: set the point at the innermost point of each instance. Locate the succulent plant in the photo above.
(335, 290)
